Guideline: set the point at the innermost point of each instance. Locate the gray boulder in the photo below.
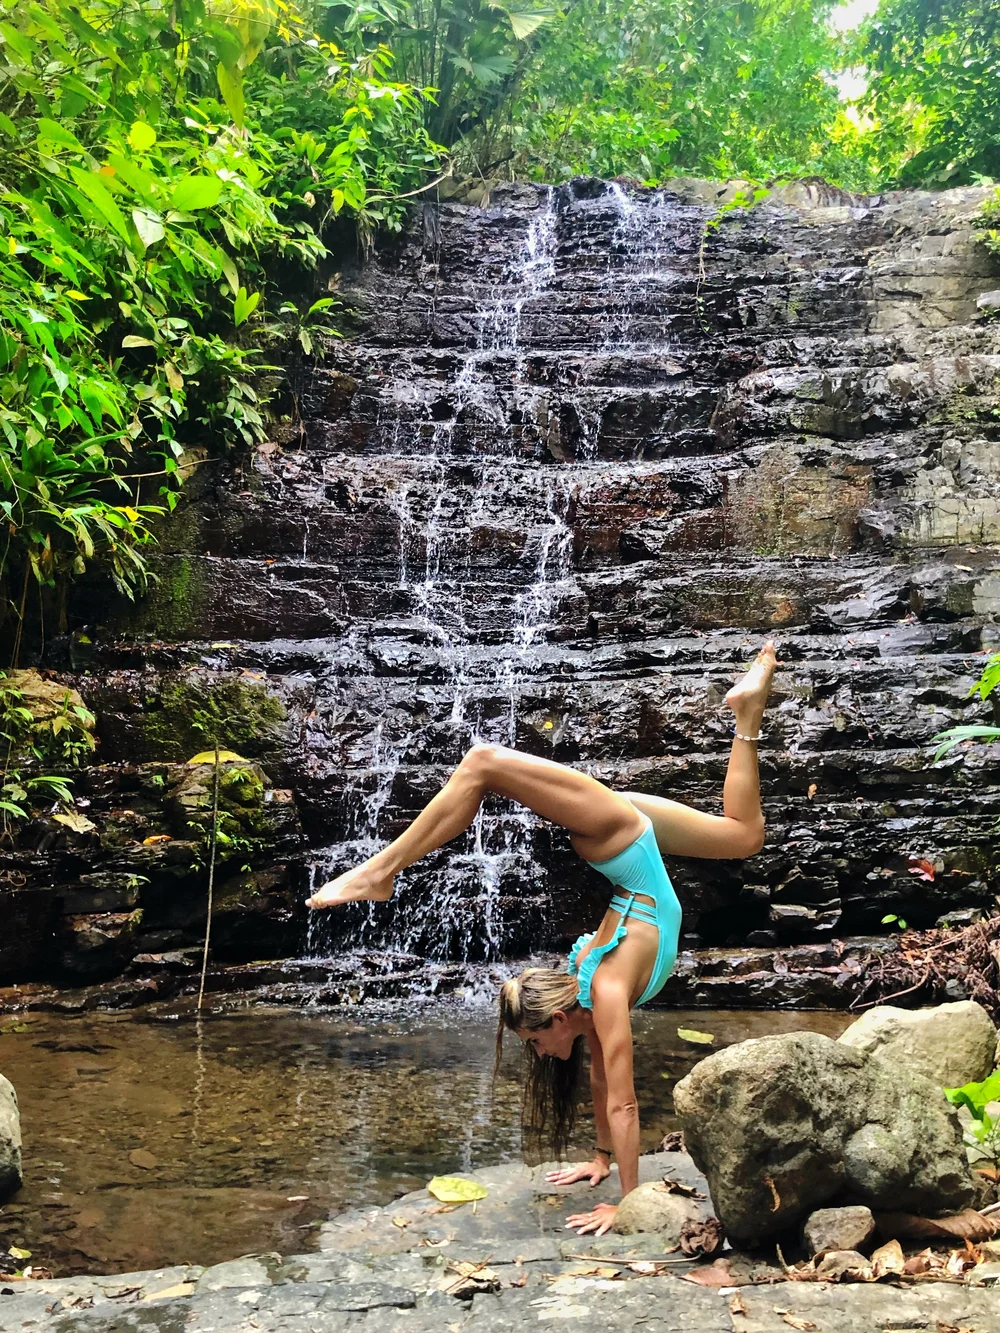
(838, 1229)
(651, 1207)
(781, 1125)
(10, 1140)
(950, 1044)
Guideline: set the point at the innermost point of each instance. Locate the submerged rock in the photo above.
(10, 1140)
(781, 1125)
(950, 1044)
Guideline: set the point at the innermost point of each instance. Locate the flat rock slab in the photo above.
(544, 1274)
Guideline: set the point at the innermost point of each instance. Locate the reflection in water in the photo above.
(156, 1142)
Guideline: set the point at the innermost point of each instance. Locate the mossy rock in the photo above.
(244, 823)
(194, 710)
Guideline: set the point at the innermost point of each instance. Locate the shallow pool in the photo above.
(151, 1141)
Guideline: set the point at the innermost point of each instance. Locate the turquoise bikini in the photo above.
(638, 869)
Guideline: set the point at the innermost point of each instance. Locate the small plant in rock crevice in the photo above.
(982, 1101)
(53, 731)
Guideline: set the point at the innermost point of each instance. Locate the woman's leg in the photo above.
(739, 832)
(601, 822)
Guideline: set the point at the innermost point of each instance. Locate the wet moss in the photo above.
(196, 711)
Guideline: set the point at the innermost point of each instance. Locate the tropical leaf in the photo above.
(194, 192)
(456, 1189)
(956, 735)
(225, 757)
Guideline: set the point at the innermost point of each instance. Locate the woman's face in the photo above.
(556, 1039)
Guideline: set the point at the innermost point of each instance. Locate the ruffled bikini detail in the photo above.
(638, 869)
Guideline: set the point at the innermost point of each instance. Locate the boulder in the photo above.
(950, 1044)
(838, 1229)
(652, 1207)
(781, 1125)
(10, 1140)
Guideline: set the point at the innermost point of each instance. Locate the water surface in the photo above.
(152, 1141)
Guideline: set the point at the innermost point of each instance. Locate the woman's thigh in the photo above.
(681, 831)
(602, 822)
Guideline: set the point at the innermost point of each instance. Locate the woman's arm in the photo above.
(599, 1167)
(613, 1032)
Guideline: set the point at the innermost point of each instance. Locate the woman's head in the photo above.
(542, 1008)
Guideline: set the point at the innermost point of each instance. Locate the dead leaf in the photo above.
(702, 1236)
(736, 1305)
(953, 1328)
(440, 1208)
(774, 1193)
(401, 1222)
(967, 1225)
(466, 1279)
(711, 1275)
(521, 1281)
(670, 1186)
(673, 1142)
(917, 1263)
(167, 1293)
(141, 1158)
(888, 1259)
(156, 839)
(795, 1321)
(921, 867)
(813, 789)
(78, 823)
(695, 1037)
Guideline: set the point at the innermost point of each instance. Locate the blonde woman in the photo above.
(555, 1013)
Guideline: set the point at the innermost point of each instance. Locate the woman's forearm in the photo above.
(624, 1124)
(602, 1126)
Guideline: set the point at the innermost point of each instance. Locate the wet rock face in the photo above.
(554, 493)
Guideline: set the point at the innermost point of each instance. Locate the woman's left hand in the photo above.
(598, 1220)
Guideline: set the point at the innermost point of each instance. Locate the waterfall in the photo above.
(491, 380)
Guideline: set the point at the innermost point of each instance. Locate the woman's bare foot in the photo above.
(749, 695)
(358, 885)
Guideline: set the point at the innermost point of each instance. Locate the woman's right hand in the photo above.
(594, 1171)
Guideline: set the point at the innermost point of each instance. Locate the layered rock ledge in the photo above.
(395, 1270)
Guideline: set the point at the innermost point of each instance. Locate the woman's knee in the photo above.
(480, 763)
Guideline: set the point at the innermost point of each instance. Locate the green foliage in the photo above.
(163, 168)
(471, 52)
(934, 90)
(984, 687)
(893, 919)
(658, 88)
(984, 1132)
(32, 735)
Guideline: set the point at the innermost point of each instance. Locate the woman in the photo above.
(620, 965)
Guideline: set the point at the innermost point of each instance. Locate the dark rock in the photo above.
(781, 1125)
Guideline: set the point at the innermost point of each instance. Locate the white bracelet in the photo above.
(752, 739)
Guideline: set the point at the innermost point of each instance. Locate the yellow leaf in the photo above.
(15, 1253)
(78, 823)
(225, 757)
(180, 1289)
(697, 1038)
(77, 296)
(156, 839)
(11, 246)
(454, 1189)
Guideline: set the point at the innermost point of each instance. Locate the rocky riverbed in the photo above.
(417, 1266)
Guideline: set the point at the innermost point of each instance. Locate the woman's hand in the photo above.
(594, 1171)
(598, 1220)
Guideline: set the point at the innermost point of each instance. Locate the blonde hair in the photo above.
(551, 1086)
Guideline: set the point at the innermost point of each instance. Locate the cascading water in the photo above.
(433, 547)
(456, 440)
